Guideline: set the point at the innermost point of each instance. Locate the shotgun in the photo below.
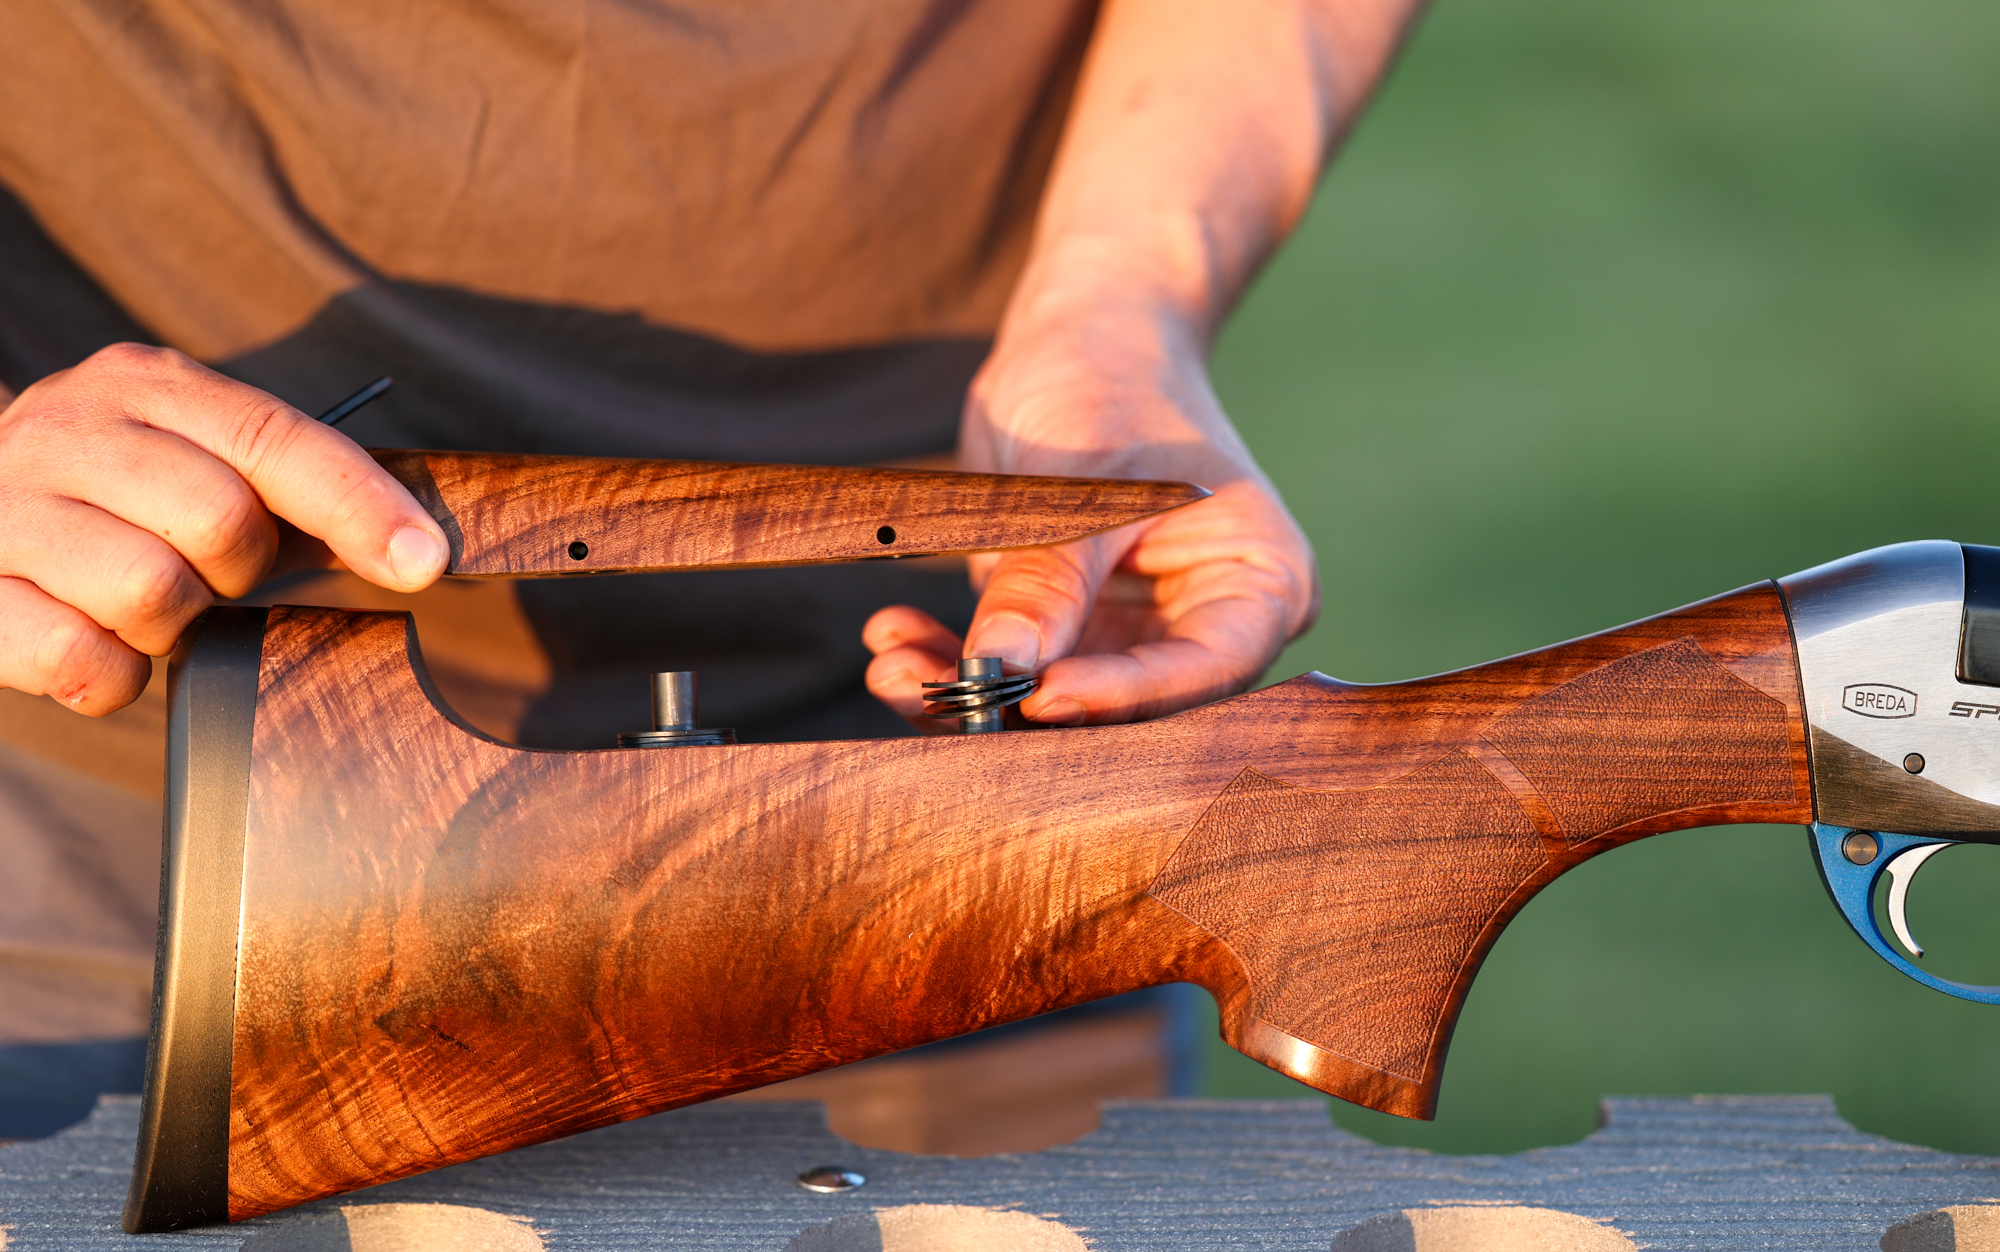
(391, 943)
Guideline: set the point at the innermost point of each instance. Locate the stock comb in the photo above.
(532, 516)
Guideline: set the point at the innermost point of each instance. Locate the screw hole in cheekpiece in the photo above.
(578, 550)
(886, 535)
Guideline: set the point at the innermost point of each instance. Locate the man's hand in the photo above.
(1141, 621)
(138, 487)
(1194, 143)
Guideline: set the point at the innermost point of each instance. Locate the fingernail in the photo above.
(416, 555)
(1009, 638)
(1061, 711)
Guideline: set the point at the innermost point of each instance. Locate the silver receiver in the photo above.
(1899, 743)
(1899, 667)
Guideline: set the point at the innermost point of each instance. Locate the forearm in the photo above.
(1197, 134)
(1195, 140)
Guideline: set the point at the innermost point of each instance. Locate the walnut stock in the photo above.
(450, 946)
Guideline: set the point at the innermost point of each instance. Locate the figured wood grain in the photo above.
(515, 515)
(1313, 890)
(1368, 910)
(451, 946)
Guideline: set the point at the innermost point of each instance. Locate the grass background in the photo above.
(1605, 309)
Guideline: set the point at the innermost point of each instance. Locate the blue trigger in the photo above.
(1853, 890)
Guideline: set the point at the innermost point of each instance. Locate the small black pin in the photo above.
(345, 409)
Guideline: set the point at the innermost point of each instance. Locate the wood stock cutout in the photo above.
(450, 946)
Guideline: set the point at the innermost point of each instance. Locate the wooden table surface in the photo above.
(1733, 1172)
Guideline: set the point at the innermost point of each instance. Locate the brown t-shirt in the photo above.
(607, 226)
(722, 230)
(782, 177)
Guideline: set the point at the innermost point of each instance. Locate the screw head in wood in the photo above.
(1914, 762)
(831, 1179)
(1861, 847)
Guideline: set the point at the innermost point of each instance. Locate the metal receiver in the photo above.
(1902, 696)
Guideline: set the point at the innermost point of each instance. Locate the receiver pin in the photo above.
(674, 721)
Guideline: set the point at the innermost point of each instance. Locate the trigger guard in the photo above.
(1853, 890)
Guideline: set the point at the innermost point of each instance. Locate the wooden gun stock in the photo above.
(445, 947)
(512, 516)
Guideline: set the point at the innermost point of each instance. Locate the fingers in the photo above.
(1036, 601)
(1232, 581)
(194, 504)
(901, 626)
(1175, 612)
(1215, 646)
(1216, 649)
(911, 648)
(126, 580)
(52, 649)
(138, 486)
(311, 475)
(1198, 607)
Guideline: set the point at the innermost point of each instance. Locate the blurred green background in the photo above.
(1608, 308)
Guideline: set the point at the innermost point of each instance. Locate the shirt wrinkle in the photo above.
(180, 129)
(683, 18)
(473, 151)
(574, 80)
(285, 32)
(1032, 146)
(789, 145)
(939, 19)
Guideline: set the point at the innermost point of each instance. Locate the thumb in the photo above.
(1037, 600)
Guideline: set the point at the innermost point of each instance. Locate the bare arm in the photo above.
(1197, 136)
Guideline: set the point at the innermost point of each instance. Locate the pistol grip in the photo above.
(1361, 916)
